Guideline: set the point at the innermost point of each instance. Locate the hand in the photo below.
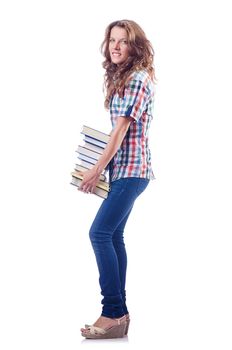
(90, 180)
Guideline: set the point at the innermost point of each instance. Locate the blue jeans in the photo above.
(106, 235)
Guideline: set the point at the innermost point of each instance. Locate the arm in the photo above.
(91, 177)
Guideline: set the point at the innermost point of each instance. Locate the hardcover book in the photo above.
(102, 188)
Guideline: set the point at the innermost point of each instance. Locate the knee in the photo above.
(98, 235)
(95, 234)
(92, 234)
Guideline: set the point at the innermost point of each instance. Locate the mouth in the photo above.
(116, 54)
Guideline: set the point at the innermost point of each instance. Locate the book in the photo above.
(87, 152)
(79, 167)
(102, 188)
(87, 159)
(101, 184)
(96, 134)
(93, 141)
(93, 147)
(88, 155)
(84, 163)
(98, 191)
(88, 165)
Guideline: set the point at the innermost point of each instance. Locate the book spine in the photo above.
(89, 153)
(95, 133)
(93, 147)
(87, 159)
(94, 141)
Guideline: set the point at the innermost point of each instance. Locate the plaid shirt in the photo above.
(133, 158)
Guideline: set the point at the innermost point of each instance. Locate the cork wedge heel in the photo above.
(127, 325)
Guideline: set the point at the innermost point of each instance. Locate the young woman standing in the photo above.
(129, 83)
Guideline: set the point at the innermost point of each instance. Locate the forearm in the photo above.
(116, 138)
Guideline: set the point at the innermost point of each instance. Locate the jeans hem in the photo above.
(112, 316)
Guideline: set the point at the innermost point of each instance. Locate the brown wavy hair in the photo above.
(141, 56)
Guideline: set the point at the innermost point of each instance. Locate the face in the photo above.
(118, 45)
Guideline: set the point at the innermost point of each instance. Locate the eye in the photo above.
(111, 40)
(124, 42)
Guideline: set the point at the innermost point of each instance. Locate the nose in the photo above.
(117, 45)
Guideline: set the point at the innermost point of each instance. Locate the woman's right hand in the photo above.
(90, 180)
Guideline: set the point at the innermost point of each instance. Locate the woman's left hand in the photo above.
(90, 180)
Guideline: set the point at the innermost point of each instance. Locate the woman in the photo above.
(129, 83)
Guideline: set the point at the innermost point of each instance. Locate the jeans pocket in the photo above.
(142, 184)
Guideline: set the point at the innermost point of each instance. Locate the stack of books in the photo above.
(94, 143)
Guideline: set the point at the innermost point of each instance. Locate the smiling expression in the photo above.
(118, 45)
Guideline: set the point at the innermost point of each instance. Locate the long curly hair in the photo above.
(141, 56)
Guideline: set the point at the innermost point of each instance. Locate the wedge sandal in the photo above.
(127, 324)
(116, 331)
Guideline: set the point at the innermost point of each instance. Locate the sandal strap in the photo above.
(123, 318)
(96, 330)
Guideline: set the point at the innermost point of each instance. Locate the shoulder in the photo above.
(140, 79)
(140, 75)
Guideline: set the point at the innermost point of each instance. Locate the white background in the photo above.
(179, 234)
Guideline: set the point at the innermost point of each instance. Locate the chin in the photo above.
(115, 61)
